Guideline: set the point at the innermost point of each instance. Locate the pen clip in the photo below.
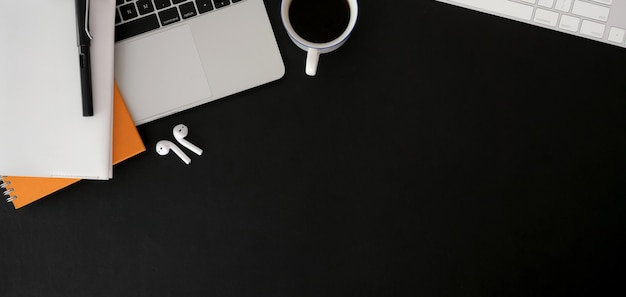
(87, 20)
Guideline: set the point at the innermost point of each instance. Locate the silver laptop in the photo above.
(171, 55)
(599, 20)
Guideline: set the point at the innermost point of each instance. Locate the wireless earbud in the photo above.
(180, 132)
(163, 147)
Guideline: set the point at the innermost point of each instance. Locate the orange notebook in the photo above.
(126, 143)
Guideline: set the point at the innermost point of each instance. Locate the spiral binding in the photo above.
(5, 185)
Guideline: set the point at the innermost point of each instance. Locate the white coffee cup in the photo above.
(314, 49)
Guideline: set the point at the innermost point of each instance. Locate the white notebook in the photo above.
(43, 131)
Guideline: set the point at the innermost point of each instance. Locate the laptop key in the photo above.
(204, 5)
(160, 4)
(221, 3)
(169, 16)
(128, 11)
(145, 6)
(187, 10)
(136, 27)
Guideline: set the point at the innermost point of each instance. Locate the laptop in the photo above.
(599, 20)
(171, 55)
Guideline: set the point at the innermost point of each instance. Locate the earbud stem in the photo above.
(182, 155)
(198, 151)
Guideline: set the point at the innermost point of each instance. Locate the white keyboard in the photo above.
(600, 20)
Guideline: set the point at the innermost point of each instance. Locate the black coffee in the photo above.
(319, 21)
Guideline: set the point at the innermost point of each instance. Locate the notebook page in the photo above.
(43, 131)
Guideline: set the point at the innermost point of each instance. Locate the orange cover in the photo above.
(126, 143)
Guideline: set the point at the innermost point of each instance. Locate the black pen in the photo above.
(84, 56)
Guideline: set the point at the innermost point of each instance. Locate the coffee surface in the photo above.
(319, 21)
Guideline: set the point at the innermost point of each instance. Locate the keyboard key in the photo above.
(187, 10)
(607, 2)
(178, 1)
(204, 5)
(546, 17)
(119, 2)
(563, 5)
(546, 3)
(169, 16)
(136, 27)
(221, 3)
(616, 34)
(591, 11)
(569, 23)
(128, 11)
(592, 29)
(160, 4)
(508, 8)
(145, 6)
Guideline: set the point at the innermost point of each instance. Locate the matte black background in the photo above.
(440, 152)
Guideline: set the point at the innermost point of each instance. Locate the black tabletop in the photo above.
(439, 152)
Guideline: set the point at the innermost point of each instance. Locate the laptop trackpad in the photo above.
(167, 77)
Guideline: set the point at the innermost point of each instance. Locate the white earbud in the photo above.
(180, 132)
(163, 147)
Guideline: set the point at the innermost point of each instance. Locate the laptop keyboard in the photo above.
(134, 17)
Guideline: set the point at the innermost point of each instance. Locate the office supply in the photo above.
(416, 164)
(171, 56)
(599, 20)
(40, 90)
(126, 143)
(84, 54)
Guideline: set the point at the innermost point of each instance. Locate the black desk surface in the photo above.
(469, 157)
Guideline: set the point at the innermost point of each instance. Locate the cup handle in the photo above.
(312, 58)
